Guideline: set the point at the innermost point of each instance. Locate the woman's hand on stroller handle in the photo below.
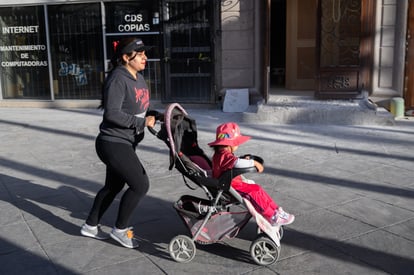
(150, 121)
(155, 122)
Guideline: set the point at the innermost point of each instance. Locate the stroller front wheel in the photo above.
(264, 251)
(182, 249)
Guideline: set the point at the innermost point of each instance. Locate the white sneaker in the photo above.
(94, 232)
(125, 237)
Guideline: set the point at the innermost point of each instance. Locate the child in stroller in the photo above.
(228, 139)
(224, 212)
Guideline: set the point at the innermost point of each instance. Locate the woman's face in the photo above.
(137, 61)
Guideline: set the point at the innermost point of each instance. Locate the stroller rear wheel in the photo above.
(264, 251)
(182, 249)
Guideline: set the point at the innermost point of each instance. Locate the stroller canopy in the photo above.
(179, 132)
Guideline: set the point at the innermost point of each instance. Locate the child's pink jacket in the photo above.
(224, 160)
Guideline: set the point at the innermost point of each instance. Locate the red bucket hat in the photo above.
(228, 134)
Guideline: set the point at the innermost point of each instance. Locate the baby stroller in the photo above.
(224, 212)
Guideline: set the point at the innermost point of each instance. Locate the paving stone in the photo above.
(350, 188)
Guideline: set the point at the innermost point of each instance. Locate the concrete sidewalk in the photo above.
(350, 187)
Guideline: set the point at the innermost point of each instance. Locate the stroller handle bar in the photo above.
(152, 130)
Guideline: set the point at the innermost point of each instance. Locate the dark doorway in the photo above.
(278, 43)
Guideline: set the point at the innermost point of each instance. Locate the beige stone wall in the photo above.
(389, 49)
(238, 44)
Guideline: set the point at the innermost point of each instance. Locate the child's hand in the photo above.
(245, 156)
(258, 166)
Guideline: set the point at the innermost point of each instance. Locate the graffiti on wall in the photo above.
(74, 70)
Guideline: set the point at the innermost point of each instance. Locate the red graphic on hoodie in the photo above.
(142, 96)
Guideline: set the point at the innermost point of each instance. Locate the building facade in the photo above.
(55, 52)
(60, 50)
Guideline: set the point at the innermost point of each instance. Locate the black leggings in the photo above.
(122, 166)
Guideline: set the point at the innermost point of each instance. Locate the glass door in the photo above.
(345, 31)
(188, 50)
(136, 19)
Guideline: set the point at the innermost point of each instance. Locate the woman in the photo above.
(125, 102)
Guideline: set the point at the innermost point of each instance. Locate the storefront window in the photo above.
(139, 19)
(23, 53)
(77, 53)
(132, 17)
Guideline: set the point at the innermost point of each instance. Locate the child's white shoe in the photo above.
(282, 218)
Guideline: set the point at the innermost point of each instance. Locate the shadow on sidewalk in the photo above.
(27, 261)
(37, 201)
(44, 207)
